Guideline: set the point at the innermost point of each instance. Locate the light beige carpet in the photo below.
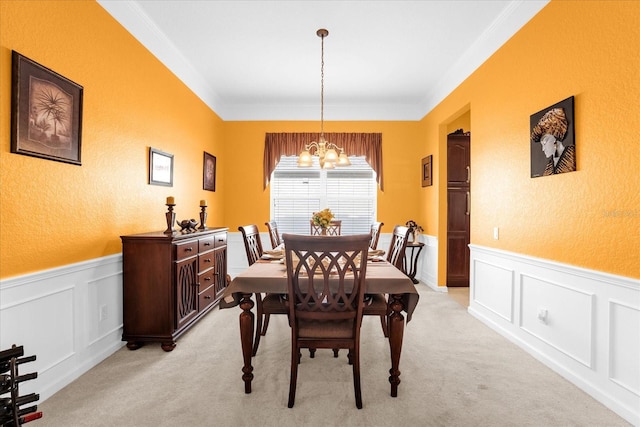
(455, 372)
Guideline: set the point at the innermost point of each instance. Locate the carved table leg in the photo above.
(246, 337)
(396, 332)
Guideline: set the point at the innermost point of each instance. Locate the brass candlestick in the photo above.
(203, 218)
(171, 218)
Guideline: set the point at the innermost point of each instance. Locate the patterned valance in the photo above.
(368, 145)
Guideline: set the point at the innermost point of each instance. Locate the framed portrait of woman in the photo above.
(553, 148)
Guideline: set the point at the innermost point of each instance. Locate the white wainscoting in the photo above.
(70, 318)
(583, 324)
(427, 271)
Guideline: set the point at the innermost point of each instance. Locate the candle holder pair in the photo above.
(171, 218)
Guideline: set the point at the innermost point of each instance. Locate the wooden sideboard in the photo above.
(169, 282)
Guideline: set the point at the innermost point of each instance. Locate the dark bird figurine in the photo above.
(187, 224)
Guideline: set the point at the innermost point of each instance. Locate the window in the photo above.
(350, 193)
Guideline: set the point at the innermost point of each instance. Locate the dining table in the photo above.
(270, 276)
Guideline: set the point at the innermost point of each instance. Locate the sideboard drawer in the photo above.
(206, 279)
(186, 250)
(206, 297)
(205, 261)
(206, 244)
(221, 240)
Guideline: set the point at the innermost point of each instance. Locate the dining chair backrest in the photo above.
(325, 276)
(252, 242)
(272, 226)
(375, 234)
(398, 246)
(334, 228)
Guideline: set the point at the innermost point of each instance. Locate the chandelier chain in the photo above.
(322, 89)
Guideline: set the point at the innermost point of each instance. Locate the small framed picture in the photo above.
(46, 112)
(426, 171)
(160, 168)
(209, 172)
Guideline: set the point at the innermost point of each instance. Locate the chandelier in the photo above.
(327, 152)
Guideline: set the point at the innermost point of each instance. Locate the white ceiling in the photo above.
(384, 60)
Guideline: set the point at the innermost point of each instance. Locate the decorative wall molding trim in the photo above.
(71, 319)
(55, 315)
(583, 324)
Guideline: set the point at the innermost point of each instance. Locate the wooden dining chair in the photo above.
(326, 284)
(272, 226)
(377, 304)
(271, 303)
(334, 228)
(375, 235)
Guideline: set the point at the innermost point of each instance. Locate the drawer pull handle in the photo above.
(207, 297)
(207, 279)
(207, 260)
(189, 249)
(207, 244)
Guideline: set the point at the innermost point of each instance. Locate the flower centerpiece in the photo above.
(323, 218)
(414, 229)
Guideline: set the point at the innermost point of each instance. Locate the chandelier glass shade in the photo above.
(327, 152)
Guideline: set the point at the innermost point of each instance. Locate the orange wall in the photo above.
(55, 213)
(246, 202)
(589, 218)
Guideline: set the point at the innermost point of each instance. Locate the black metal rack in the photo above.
(11, 413)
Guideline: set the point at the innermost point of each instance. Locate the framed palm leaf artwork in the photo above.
(46, 112)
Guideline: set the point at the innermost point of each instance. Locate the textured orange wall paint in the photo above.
(247, 203)
(589, 218)
(55, 214)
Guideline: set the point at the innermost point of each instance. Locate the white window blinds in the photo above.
(350, 193)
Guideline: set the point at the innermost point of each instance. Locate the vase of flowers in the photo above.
(322, 219)
(414, 230)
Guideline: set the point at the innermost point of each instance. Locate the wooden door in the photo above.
(458, 207)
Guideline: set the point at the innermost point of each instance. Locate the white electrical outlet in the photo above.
(104, 313)
(496, 233)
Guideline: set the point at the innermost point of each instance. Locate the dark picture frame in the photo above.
(557, 121)
(46, 112)
(160, 168)
(427, 178)
(209, 172)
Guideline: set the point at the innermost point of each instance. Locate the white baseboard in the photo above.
(583, 324)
